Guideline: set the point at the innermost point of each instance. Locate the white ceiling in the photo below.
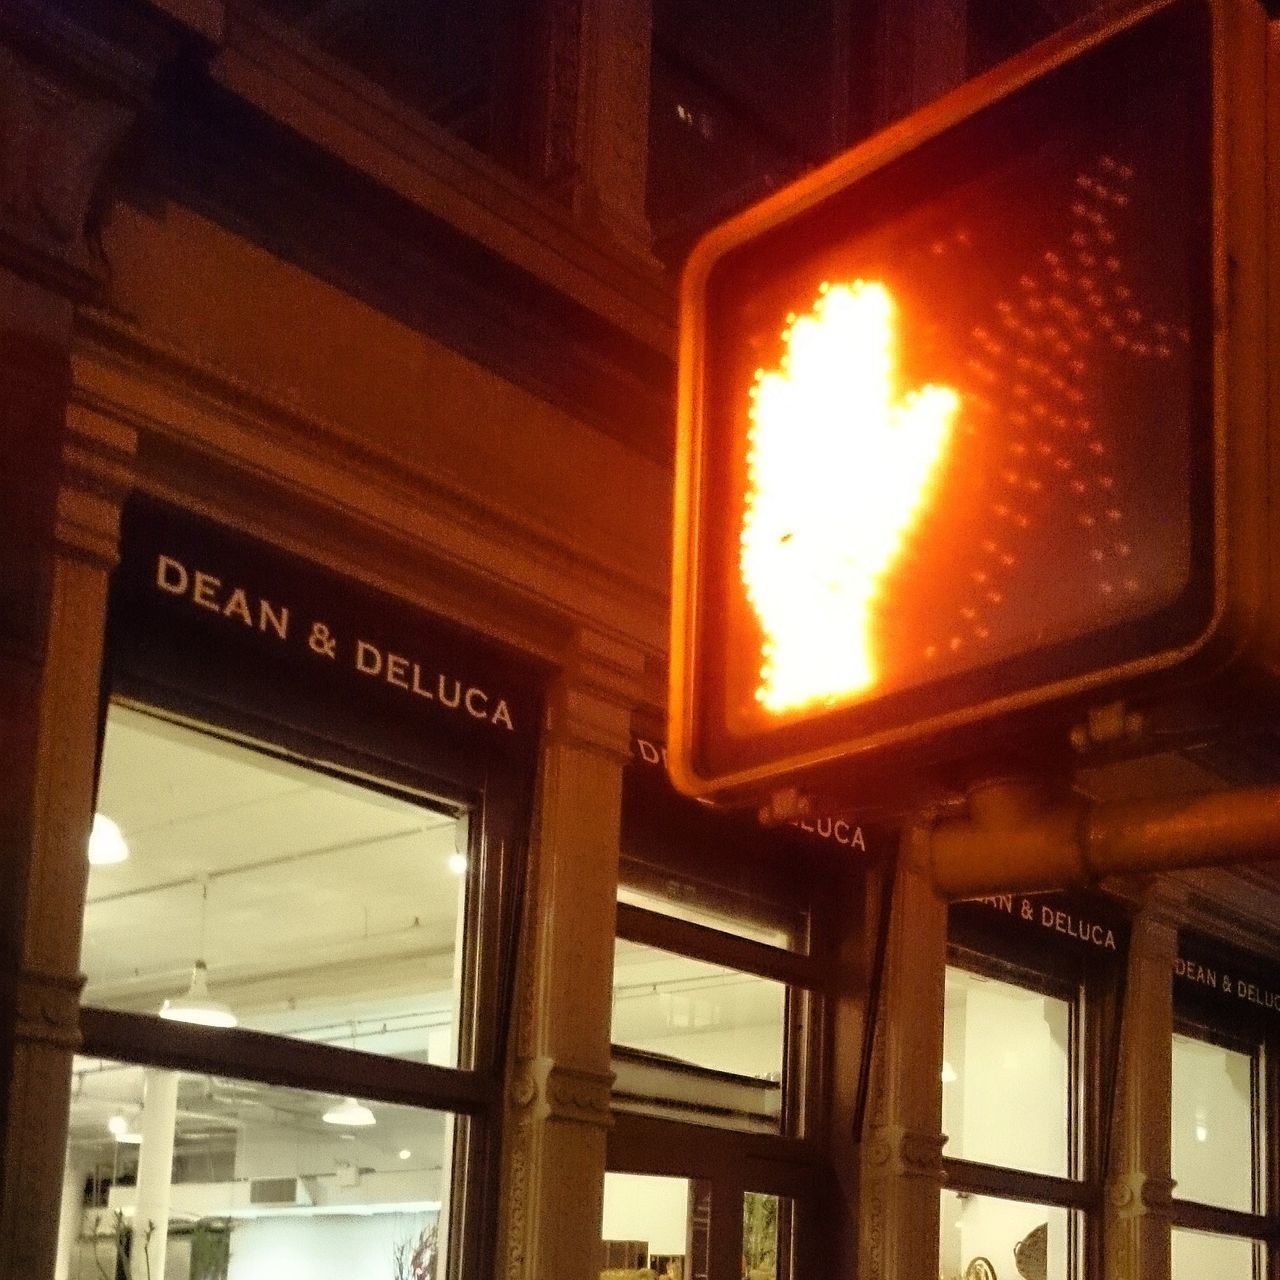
(331, 906)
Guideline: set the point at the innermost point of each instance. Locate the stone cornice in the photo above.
(202, 433)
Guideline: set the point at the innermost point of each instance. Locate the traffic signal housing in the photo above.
(972, 431)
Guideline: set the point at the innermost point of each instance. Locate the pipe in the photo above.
(1016, 839)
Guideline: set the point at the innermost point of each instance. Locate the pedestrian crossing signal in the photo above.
(954, 453)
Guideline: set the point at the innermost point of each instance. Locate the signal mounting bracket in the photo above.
(1112, 722)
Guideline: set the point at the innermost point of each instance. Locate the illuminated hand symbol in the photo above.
(840, 468)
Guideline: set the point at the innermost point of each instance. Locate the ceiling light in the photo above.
(405, 1153)
(458, 864)
(351, 1113)
(196, 1005)
(107, 844)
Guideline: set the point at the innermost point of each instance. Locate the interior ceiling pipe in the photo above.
(1016, 838)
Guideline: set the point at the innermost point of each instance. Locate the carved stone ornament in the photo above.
(524, 1087)
(516, 1204)
(1138, 1194)
(877, 1151)
(542, 1088)
(1120, 1194)
(904, 1153)
(921, 1153)
(55, 142)
(580, 1096)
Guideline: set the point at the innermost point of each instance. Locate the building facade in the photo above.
(337, 354)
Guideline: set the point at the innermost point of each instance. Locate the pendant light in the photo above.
(196, 1004)
(122, 1131)
(107, 845)
(349, 1112)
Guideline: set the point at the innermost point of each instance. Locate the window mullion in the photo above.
(698, 942)
(1014, 1184)
(257, 1055)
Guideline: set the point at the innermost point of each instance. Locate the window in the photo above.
(741, 101)
(1007, 1076)
(717, 1061)
(1222, 1112)
(262, 1182)
(466, 68)
(1010, 1110)
(1200, 1253)
(1033, 994)
(656, 1224)
(767, 1222)
(713, 1037)
(1216, 1113)
(264, 900)
(320, 908)
(723, 974)
(1217, 1149)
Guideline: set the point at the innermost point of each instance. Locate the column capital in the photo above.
(591, 704)
(48, 1007)
(98, 456)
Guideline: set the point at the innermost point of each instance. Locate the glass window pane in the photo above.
(703, 1036)
(1197, 1255)
(1006, 1075)
(984, 1238)
(655, 1223)
(457, 65)
(1213, 1124)
(323, 910)
(249, 1181)
(766, 1236)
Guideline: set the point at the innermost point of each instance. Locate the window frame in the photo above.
(791, 1163)
(1262, 1226)
(473, 1089)
(806, 981)
(1080, 1193)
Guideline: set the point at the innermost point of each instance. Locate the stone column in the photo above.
(561, 1077)
(67, 95)
(613, 118)
(901, 1157)
(1139, 1183)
